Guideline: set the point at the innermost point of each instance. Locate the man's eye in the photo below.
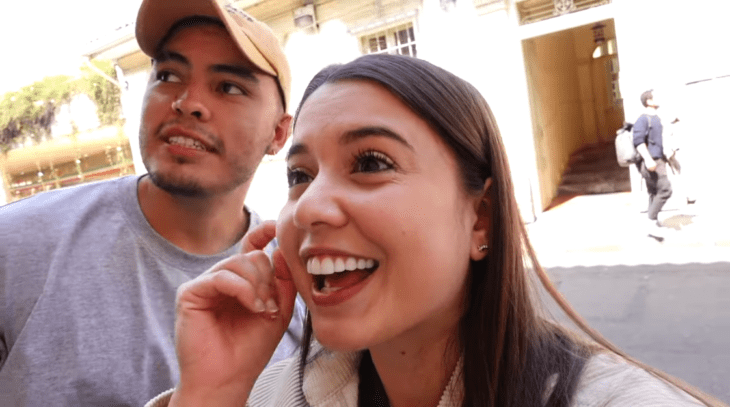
(167, 76)
(372, 161)
(296, 177)
(231, 89)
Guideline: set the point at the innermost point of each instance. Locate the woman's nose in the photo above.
(322, 203)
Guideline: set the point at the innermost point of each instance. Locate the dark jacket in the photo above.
(651, 136)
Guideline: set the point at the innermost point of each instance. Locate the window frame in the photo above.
(390, 39)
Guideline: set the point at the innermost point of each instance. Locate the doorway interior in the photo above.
(576, 108)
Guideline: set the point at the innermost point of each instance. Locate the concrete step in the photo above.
(597, 175)
(594, 170)
(594, 188)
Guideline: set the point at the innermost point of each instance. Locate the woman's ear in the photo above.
(480, 233)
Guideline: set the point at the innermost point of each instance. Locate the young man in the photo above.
(653, 166)
(88, 275)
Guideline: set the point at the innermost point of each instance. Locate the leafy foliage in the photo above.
(105, 94)
(32, 109)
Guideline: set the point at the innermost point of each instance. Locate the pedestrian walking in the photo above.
(652, 166)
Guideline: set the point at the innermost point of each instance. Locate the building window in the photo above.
(400, 39)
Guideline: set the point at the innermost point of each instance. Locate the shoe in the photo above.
(656, 230)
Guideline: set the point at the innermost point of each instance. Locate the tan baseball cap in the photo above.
(255, 39)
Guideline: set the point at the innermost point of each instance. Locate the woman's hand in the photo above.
(229, 322)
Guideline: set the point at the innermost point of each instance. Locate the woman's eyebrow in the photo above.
(295, 149)
(354, 135)
(370, 131)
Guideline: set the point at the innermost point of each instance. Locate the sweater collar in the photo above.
(331, 379)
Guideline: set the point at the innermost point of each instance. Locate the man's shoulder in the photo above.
(57, 205)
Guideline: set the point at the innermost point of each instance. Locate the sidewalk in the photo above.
(604, 229)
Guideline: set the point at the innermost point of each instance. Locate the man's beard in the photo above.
(190, 187)
(185, 188)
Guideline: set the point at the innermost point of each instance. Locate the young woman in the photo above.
(402, 235)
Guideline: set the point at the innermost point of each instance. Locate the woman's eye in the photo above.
(372, 161)
(296, 176)
(231, 89)
(167, 76)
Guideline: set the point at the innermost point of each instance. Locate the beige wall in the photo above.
(608, 117)
(599, 114)
(556, 106)
(601, 117)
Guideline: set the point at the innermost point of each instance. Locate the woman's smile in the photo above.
(338, 278)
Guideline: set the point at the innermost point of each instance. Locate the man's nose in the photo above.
(191, 102)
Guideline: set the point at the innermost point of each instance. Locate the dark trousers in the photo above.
(658, 186)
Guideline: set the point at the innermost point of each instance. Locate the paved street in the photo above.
(674, 317)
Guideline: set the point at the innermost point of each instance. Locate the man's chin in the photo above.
(179, 187)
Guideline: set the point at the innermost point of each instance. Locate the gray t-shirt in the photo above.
(87, 294)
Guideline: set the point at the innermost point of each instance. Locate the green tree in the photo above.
(32, 109)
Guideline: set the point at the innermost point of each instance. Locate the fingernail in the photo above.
(271, 306)
(259, 305)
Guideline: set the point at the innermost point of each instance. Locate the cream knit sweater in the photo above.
(331, 380)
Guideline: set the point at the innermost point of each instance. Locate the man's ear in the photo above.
(483, 223)
(281, 133)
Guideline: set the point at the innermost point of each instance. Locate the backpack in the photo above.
(626, 153)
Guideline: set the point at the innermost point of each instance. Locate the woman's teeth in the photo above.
(329, 265)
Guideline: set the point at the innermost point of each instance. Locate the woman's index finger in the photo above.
(258, 237)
